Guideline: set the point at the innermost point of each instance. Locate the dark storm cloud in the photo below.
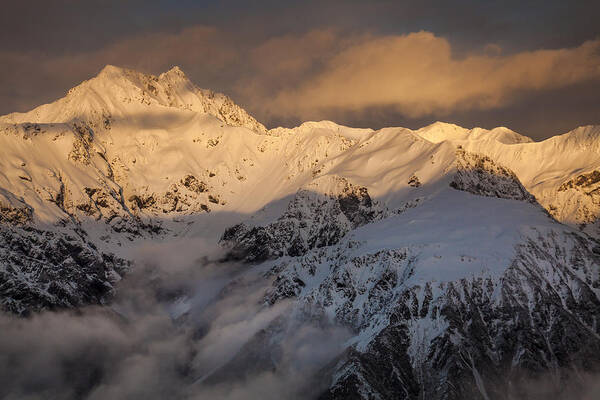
(275, 58)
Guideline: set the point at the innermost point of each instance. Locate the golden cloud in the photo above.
(418, 75)
(320, 73)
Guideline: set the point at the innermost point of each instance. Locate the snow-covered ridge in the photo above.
(129, 139)
(428, 245)
(122, 93)
(122, 143)
(440, 131)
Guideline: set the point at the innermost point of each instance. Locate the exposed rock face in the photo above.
(226, 110)
(104, 205)
(478, 174)
(188, 195)
(585, 182)
(41, 269)
(482, 337)
(414, 181)
(582, 193)
(312, 220)
(15, 215)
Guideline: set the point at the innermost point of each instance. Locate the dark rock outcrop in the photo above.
(480, 175)
(311, 220)
(42, 269)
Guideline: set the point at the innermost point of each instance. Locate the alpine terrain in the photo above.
(438, 263)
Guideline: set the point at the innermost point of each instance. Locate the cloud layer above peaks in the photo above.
(533, 67)
(418, 75)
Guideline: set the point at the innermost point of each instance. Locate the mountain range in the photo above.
(460, 263)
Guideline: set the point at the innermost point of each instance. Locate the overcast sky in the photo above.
(534, 68)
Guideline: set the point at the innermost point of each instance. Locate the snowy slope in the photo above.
(118, 92)
(135, 138)
(557, 171)
(432, 246)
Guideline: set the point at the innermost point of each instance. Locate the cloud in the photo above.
(138, 347)
(352, 77)
(301, 354)
(418, 75)
(43, 77)
(230, 345)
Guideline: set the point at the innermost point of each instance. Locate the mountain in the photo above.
(118, 93)
(464, 263)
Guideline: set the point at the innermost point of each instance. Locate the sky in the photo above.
(531, 66)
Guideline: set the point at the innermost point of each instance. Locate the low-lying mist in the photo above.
(181, 325)
(184, 325)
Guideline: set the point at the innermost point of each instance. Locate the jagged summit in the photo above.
(119, 93)
(110, 69)
(174, 71)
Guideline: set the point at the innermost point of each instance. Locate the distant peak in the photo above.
(173, 72)
(120, 91)
(109, 70)
(580, 134)
(441, 124)
(176, 70)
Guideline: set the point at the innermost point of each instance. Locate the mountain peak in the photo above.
(174, 74)
(175, 70)
(111, 71)
(440, 131)
(109, 68)
(121, 92)
(442, 124)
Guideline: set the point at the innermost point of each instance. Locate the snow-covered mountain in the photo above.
(462, 261)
